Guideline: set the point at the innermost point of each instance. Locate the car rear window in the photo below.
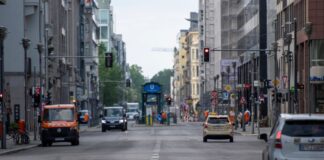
(214, 120)
(304, 128)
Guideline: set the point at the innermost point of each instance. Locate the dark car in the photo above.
(113, 118)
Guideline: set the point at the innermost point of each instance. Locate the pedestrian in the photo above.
(206, 113)
(246, 116)
(239, 118)
(164, 117)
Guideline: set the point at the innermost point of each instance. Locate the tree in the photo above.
(137, 77)
(111, 80)
(163, 77)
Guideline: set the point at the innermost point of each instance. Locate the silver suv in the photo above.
(295, 137)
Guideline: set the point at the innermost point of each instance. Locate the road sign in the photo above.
(275, 82)
(243, 101)
(261, 98)
(225, 96)
(214, 94)
(228, 88)
(247, 85)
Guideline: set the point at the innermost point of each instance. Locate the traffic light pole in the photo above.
(3, 110)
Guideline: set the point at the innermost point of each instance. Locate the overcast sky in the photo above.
(147, 24)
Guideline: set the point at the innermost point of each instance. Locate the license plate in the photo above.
(59, 139)
(112, 126)
(311, 147)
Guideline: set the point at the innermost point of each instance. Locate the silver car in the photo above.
(295, 137)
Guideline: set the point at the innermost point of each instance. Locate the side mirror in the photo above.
(39, 119)
(264, 136)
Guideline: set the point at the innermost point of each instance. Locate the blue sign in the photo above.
(152, 88)
(225, 95)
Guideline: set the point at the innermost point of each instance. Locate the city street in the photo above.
(180, 142)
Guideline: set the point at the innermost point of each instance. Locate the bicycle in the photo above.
(15, 136)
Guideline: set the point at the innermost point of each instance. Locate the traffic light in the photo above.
(169, 100)
(128, 83)
(290, 56)
(273, 95)
(1, 97)
(206, 54)
(300, 86)
(49, 98)
(37, 97)
(109, 60)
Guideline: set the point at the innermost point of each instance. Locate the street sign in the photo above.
(225, 96)
(214, 94)
(275, 82)
(228, 88)
(242, 100)
(247, 85)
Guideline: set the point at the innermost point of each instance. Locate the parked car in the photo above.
(298, 136)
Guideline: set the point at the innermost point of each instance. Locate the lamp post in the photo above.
(235, 93)
(26, 44)
(242, 91)
(308, 30)
(288, 40)
(252, 94)
(228, 70)
(3, 110)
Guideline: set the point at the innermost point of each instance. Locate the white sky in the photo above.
(147, 24)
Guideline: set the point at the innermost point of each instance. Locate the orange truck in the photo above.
(59, 123)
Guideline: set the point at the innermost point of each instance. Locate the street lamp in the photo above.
(228, 70)
(288, 39)
(308, 30)
(3, 110)
(242, 91)
(235, 93)
(26, 44)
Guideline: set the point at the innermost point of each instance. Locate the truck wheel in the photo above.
(75, 142)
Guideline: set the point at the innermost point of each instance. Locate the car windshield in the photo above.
(304, 128)
(132, 110)
(59, 114)
(214, 120)
(113, 112)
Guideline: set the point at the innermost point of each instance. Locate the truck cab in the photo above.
(59, 124)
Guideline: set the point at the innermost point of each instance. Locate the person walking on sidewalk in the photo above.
(247, 116)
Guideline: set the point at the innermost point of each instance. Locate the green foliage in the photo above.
(163, 77)
(110, 80)
(136, 74)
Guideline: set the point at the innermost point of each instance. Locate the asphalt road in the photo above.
(147, 143)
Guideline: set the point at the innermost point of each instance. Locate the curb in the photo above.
(14, 150)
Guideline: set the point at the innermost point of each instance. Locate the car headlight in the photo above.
(103, 121)
(121, 121)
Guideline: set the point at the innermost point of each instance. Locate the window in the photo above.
(104, 32)
(59, 114)
(304, 128)
(214, 120)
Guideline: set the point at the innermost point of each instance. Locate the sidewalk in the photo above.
(12, 147)
(248, 130)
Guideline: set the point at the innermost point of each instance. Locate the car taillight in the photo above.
(278, 143)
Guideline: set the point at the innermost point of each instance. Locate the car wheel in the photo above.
(205, 139)
(103, 129)
(44, 143)
(231, 140)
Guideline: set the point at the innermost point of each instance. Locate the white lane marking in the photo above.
(156, 151)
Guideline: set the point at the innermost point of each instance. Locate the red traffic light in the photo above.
(206, 54)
